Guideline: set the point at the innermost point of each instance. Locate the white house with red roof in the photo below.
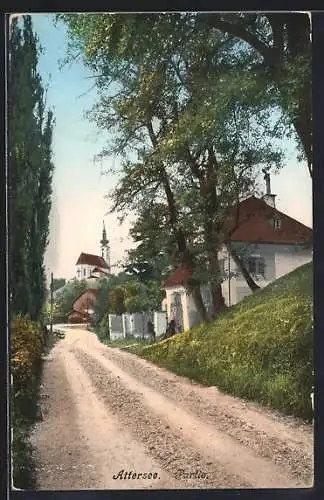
(270, 243)
(90, 266)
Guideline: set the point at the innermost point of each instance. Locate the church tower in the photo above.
(105, 249)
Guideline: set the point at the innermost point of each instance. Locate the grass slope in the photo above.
(261, 349)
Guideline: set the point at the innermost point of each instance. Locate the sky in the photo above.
(78, 205)
(79, 187)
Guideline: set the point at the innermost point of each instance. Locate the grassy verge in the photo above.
(126, 343)
(103, 336)
(261, 349)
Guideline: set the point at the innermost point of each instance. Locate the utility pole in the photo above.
(87, 317)
(229, 276)
(51, 328)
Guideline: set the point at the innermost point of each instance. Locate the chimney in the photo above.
(269, 198)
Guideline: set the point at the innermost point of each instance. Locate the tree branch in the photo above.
(269, 55)
(276, 22)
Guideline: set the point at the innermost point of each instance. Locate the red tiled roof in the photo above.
(179, 276)
(95, 292)
(98, 269)
(256, 225)
(92, 260)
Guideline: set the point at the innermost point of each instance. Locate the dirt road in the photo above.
(113, 421)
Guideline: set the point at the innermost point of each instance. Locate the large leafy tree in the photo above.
(30, 165)
(126, 293)
(144, 297)
(183, 104)
(110, 297)
(100, 305)
(276, 46)
(69, 294)
(154, 256)
(281, 49)
(58, 283)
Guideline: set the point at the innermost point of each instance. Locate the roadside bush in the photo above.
(103, 330)
(24, 476)
(261, 349)
(58, 318)
(27, 340)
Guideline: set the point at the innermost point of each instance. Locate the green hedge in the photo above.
(260, 349)
(27, 341)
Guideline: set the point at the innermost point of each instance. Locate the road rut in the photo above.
(114, 421)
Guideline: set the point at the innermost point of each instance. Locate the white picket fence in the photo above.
(136, 325)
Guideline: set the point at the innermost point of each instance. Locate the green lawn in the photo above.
(125, 343)
(261, 349)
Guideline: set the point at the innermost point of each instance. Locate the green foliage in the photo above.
(24, 476)
(104, 327)
(100, 305)
(27, 340)
(261, 349)
(123, 293)
(30, 138)
(144, 297)
(116, 299)
(272, 52)
(110, 299)
(134, 296)
(58, 283)
(129, 343)
(155, 252)
(58, 318)
(70, 292)
(192, 123)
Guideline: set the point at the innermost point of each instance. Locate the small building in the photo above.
(82, 307)
(270, 244)
(77, 317)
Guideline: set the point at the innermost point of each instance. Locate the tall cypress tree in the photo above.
(31, 168)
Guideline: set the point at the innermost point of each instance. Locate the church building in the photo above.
(94, 266)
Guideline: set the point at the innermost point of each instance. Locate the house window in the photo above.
(256, 265)
(84, 272)
(277, 223)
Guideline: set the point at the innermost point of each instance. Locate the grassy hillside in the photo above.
(261, 349)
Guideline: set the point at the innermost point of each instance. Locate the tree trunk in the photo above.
(299, 43)
(216, 287)
(212, 230)
(245, 273)
(185, 257)
(218, 299)
(198, 300)
(296, 28)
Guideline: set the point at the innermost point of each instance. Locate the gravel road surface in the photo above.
(114, 421)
